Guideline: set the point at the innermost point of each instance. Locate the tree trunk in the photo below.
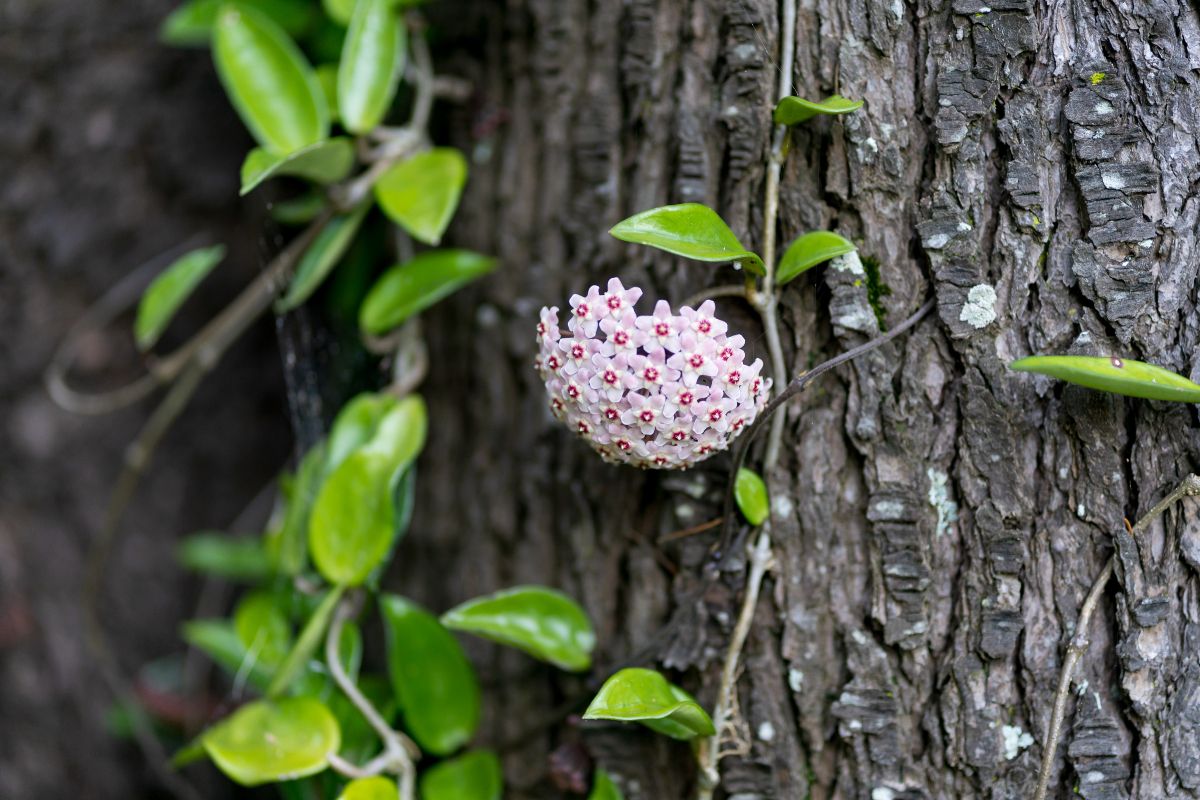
(939, 518)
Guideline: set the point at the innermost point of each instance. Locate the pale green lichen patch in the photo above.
(1097, 77)
(939, 498)
(980, 309)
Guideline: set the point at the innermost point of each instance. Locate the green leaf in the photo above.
(472, 776)
(415, 285)
(327, 78)
(340, 11)
(263, 628)
(372, 60)
(376, 788)
(751, 495)
(353, 522)
(794, 110)
(299, 210)
(690, 230)
(434, 683)
(289, 546)
(217, 639)
(808, 251)
(645, 696)
(421, 193)
(306, 644)
(1117, 375)
(191, 24)
(545, 623)
(269, 82)
(603, 787)
(355, 424)
(322, 256)
(234, 558)
(324, 162)
(169, 290)
(360, 742)
(274, 740)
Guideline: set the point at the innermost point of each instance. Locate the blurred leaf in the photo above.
(191, 24)
(603, 788)
(472, 776)
(272, 740)
(324, 162)
(269, 82)
(299, 210)
(794, 110)
(751, 495)
(690, 230)
(306, 644)
(360, 742)
(263, 628)
(235, 558)
(322, 256)
(545, 623)
(434, 683)
(645, 696)
(808, 251)
(217, 639)
(413, 286)
(370, 67)
(1117, 375)
(290, 546)
(355, 424)
(327, 77)
(169, 290)
(421, 193)
(376, 788)
(353, 521)
(340, 11)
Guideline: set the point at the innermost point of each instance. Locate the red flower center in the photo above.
(582, 310)
(621, 337)
(553, 362)
(686, 398)
(573, 392)
(584, 427)
(577, 351)
(647, 415)
(611, 413)
(727, 354)
(662, 329)
(650, 374)
(611, 377)
(734, 377)
(614, 302)
(714, 415)
(679, 436)
(624, 445)
(704, 326)
(696, 360)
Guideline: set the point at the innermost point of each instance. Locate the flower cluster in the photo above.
(661, 390)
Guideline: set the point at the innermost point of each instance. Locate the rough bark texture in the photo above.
(940, 519)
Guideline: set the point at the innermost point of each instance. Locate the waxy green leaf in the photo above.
(322, 256)
(690, 230)
(808, 251)
(307, 643)
(645, 696)
(353, 523)
(545, 623)
(370, 67)
(191, 24)
(274, 740)
(288, 545)
(169, 290)
(262, 627)
(269, 82)
(327, 78)
(472, 776)
(434, 683)
(355, 424)
(421, 193)
(603, 787)
(413, 286)
(324, 162)
(240, 558)
(217, 639)
(340, 11)
(376, 788)
(298, 210)
(1117, 375)
(751, 495)
(794, 110)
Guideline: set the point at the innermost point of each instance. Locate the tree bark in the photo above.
(939, 518)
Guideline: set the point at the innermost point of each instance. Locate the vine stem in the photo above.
(398, 750)
(1189, 487)
(766, 301)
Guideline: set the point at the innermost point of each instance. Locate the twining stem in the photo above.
(1190, 487)
(398, 750)
(766, 302)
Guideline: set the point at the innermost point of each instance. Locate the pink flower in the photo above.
(658, 391)
(618, 300)
(701, 321)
